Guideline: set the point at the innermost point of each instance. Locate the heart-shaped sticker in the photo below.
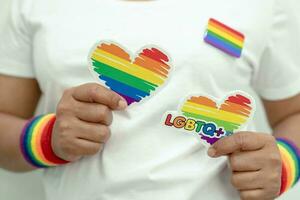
(132, 78)
(202, 115)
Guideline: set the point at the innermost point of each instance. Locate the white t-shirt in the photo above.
(50, 40)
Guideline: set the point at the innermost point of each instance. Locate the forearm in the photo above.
(289, 128)
(11, 157)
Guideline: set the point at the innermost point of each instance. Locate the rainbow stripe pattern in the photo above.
(133, 80)
(290, 155)
(35, 142)
(224, 38)
(232, 113)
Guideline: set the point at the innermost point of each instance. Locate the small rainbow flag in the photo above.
(132, 79)
(224, 38)
(234, 112)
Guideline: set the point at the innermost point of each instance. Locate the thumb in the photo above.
(95, 93)
(115, 101)
(242, 141)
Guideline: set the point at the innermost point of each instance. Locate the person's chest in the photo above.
(66, 30)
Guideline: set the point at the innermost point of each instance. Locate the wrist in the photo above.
(35, 142)
(290, 155)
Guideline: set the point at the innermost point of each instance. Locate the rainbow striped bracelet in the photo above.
(290, 155)
(35, 142)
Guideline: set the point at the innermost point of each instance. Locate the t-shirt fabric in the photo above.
(50, 41)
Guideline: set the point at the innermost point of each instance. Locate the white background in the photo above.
(29, 186)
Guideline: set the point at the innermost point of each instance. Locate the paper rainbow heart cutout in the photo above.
(132, 79)
(202, 115)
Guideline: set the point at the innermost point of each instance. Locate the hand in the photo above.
(256, 164)
(83, 116)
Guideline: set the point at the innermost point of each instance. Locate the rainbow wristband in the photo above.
(290, 156)
(35, 142)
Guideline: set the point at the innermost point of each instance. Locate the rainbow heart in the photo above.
(230, 115)
(133, 80)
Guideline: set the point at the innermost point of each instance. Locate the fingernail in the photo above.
(212, 152)
(122, 104)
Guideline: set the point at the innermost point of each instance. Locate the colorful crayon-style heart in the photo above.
(230, 115)
(133, 80)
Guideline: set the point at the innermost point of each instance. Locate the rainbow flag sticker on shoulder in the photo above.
(224, 38)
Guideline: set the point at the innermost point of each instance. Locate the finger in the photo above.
(95, 93)
(247, 180)
(252, 194)
(243, 161)
(242, 141)
(85, 147)
(95, 113)
(93, 132)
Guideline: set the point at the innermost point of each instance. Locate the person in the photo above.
(120, 151)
